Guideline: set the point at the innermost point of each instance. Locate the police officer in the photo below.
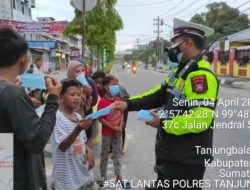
(189, 97)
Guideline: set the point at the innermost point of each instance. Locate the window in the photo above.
(224, 57)
(14, 4)
(30, 12)
(210, 56)
(23, 9)
(242, 56)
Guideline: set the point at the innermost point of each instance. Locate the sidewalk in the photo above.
(231, 82)
(234, 82)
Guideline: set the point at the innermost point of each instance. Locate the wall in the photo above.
(22, 16)
(232, 67)
(5, 9)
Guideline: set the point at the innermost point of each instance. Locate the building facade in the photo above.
(19, 10)
(52, 48)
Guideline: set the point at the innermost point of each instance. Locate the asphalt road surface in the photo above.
(232, 133)
(139, 159)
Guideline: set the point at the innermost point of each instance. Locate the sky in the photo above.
(138, 16)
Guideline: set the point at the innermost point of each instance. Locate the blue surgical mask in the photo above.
(114, 90)
(172, 65)
(179, 57)
(82, 79)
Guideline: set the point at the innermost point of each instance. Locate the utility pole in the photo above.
(83, 28)
(137, 43)
(158, 23)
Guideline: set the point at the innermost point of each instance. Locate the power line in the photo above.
(233, 2)
(209, 2)
(134, 35)
(133, 42)
(146, 4)
(148, 30)
(171, 9)
(198, 8)
(242, 5)
(245, 10)
(142, 40)
(189, 5)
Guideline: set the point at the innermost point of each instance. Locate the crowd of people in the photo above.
(68, 102)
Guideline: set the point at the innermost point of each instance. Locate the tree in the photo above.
(149, 53)
(101, 24)
(224, 19)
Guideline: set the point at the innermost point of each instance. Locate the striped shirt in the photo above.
(70, 167)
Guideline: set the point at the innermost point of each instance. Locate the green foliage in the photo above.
(107, 69)
(224, 19)
(148, 55)
(101, 24)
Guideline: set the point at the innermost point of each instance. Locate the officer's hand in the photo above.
(119, 105)
(156, 123)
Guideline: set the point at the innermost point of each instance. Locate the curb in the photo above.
(240, 83)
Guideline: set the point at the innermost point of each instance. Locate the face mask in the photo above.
(82, 79)
(174, 53)
(114, 90)
(172, 65)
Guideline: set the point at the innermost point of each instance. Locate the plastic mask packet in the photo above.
(102, 112)
(82, 79)
(36, 81)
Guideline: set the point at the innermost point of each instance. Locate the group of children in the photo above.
(72, 157)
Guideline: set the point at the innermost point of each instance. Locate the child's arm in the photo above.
(66, 143)
(107, 124)
(90, 158)
(121, 126)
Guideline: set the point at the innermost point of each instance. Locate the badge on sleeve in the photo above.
(199, 84)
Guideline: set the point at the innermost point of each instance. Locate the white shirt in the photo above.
(37, 71)
(70, 168)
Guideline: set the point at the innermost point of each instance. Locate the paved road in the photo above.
(138, 161)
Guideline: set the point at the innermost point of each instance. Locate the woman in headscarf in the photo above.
(75, 69)
(90, 92)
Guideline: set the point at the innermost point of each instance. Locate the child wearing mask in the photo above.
(111, 132)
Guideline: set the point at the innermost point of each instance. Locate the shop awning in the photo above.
(46, 45)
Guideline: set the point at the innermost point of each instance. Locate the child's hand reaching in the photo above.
(85, 124)
(87, 90)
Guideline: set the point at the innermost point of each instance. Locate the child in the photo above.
(89, 95)
(111, 132)
(72, 159)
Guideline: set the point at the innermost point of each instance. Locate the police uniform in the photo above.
(189, 96)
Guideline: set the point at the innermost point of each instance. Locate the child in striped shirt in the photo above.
(72, 159)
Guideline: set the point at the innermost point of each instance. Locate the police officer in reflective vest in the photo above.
(189, 96)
